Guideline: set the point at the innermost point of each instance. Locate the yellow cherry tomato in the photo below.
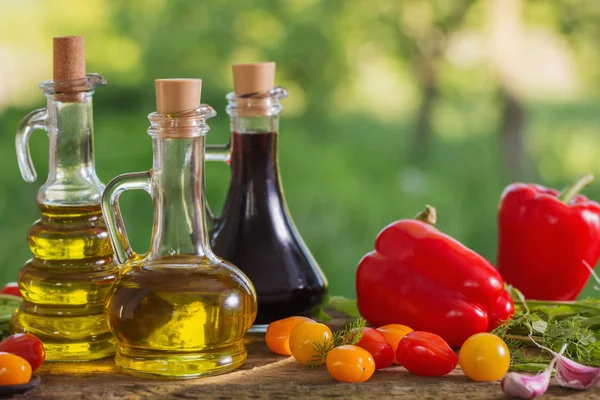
(484, 357)
(303, 339)
(350, 364)
(14, 370)
(394, 334)
(278, 334)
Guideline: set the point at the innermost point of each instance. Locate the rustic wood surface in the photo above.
(263, 376)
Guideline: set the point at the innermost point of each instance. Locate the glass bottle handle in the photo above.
(112, 211)
(216, 152)
(37, 119)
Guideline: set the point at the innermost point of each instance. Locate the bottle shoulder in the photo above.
(185, 271)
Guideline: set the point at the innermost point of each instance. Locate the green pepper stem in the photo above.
(574, 304)
(428, 215)
(573, 189)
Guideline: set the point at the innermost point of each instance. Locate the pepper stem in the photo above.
(573, 189)
(428, 215)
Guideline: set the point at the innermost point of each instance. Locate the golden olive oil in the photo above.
(182, 317)
(65, 284)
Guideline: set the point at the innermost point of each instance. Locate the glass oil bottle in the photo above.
(65, 284)
(179, 311)
(256, 231)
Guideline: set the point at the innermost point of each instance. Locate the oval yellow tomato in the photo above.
(305, 336)
(278, 334)
(14, 370)
(350, 364)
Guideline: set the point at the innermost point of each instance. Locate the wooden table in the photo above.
(264, 376)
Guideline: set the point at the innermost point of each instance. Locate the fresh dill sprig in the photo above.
(321, 350)
(552, 324)
(349, 335)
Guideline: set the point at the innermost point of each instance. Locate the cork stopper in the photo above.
(253, 78)
(177, 95)
(69, 58)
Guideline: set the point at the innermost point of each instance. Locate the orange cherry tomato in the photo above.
(278, 334)
(350, 364)
(484, 357)
(14, 370)
(394, 333)
(303, 339)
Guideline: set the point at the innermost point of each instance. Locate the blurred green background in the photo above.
(393, 104)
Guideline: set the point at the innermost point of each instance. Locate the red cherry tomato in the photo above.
(375, 343)
(26, 346)
(11, 288)
(426, 354)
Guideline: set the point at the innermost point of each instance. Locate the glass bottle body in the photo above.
(256, 231)
(65, 284)
(178, 311)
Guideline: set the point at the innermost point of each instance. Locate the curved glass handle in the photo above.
(112, 211)
(33, 121)
(216, 152)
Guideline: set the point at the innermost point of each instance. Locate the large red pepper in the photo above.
(420, 277)
(546, 239)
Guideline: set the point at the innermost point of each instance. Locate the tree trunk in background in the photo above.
(428, 49)
(429, 93)
(505, 32)
(513, 116)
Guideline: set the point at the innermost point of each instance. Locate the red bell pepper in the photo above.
(422, 278)
(546, 239)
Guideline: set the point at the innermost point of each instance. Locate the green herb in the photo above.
(350, 335)
(337, 303)
(345, 305)
(551, 324)
(8, 304)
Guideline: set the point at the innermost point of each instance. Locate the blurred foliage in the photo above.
(357, 73)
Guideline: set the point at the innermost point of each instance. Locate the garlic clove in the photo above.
(530, 386)
(573, 375)
(526, 386)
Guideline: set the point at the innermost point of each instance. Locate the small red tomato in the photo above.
(426, 354)
(11, 288)
(375, 343)
(26, 346)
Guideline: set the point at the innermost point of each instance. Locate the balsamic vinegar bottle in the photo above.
(256, 231)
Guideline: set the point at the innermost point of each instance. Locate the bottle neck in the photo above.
(178, 192)
(72, 176)
(254, 124)
(254, 160)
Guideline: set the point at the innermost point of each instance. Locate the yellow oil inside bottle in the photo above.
(181, 317)
(65, 284)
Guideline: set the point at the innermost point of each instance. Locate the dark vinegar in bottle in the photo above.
(256, 233)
